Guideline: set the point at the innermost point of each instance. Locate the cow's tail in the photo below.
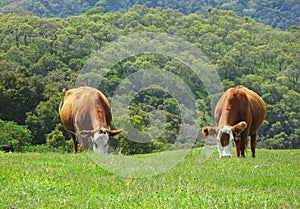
(63, 93)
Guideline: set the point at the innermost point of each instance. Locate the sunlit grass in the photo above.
(51, 180)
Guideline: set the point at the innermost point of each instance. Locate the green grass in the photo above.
(51, 180)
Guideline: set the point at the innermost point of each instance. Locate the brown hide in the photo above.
(243, 111)
(85, 110)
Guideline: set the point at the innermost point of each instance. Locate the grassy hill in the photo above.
(51, 180)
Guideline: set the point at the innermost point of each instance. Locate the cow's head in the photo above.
(225, 136)
(100, 138)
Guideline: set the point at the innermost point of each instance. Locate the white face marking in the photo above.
(100, 142)
(227, 150)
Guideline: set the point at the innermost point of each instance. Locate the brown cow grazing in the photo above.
(238, 115)
(86, 114)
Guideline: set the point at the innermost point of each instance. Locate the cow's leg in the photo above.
(243, 143)
(253, 143)
(242, 147)
(85, 144)
(75, 142)
(237, 147)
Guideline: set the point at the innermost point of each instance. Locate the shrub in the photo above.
(14, 134)
(57, 140)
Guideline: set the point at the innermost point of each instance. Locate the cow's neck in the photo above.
(228, 117)
(98, 121)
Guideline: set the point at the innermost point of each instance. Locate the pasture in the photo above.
(52, 180)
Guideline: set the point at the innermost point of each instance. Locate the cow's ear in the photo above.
(113, 132)
(240, 127)
(208, 130)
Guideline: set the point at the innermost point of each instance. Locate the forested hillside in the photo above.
(279, 14)
(41, 56)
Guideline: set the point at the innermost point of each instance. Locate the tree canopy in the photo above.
(279, 14)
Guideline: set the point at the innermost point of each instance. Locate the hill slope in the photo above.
(279, 14)
(41, 56)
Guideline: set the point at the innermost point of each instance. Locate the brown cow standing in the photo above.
(85, 113)
(238, 115)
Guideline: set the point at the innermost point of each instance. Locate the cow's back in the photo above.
(258, 109)
(241, 104)
(85, 107)
(232, 107)
(65, 110)
(106, 107)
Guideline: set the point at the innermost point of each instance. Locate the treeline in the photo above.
(45, 8)
(41, 56)
(279, 14)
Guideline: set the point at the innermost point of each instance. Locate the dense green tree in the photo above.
(43, 118)
(20, 93)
